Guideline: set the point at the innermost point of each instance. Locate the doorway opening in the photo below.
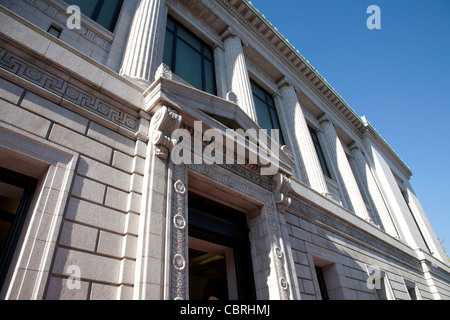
(220, 265)
(16, 191)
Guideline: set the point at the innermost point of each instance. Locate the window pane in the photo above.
(87, 7)
(188, 64)
(107, 14)
(186, 36)
(263, 115)
(276, 124)
(168, 50)
(208, 53)
(170, 24)
(258, 92)
(319, 152)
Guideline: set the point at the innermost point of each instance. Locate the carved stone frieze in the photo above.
(178, 236)
(70, 92)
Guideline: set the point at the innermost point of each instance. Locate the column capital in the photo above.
(324, 118)
(286, 82)
(231, 33)
(353, 146)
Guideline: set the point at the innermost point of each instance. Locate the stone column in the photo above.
(343, 172)
(307, 162)
(219, 66)
(237, 77)
(372, 191)
(144, 51)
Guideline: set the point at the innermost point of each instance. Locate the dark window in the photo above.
(322, 285)
(104, 12)
(16, 192)
(54, 31)
(266, 111)
(189, 57)
(320, 153)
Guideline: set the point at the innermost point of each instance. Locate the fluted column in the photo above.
(237, 77)
(219, 67)
(372, 191)
(144, 51)
(308, 165)
(343, 172)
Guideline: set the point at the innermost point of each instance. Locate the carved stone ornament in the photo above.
(164, 122)
(231, 96)
(163, 71)
(281, 187)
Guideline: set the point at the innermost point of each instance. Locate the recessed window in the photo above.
(104, 12)
(319, 152)
(189, 57)
(16, 192)
(54, 31)
(322, 284)
(266, 111)
(412, 289)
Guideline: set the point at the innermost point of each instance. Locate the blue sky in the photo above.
(397, 76)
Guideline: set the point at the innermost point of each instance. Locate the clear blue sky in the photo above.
(397, 76)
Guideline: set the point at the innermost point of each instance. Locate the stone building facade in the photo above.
(99, 200)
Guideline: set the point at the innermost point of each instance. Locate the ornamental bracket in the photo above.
(163, 123)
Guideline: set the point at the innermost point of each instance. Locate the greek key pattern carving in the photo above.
(271, 209)
(68, 91)
(178, 235)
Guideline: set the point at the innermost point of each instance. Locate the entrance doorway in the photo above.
(220, 265)
(16, 191)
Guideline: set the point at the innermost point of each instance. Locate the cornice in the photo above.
(254, 20)
(245, 12)
(370, 132)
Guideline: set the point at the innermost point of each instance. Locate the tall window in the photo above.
(319, 152)
(104, 12)
(265, 110)
(189, 57)
(322, 284)
(16, 191)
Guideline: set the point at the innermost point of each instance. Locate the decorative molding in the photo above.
(70, 92)
(232, 97)
(275, 233)
(163, 123)
(164, 72)
(178, 235)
